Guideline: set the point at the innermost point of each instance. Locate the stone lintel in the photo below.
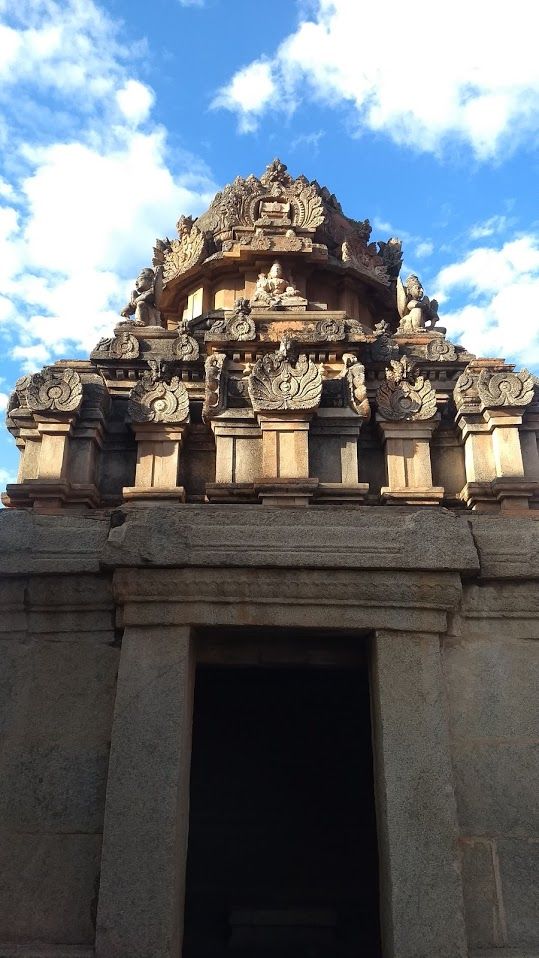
(144, 494)
(426, 496)
(282, 491)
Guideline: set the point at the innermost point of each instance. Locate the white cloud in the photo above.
(3, 401)
(87, 205)
(503, 286)
(495, 224)
(424, 248)
(135, 100)
(191, 3)
(249, 92)
(465, 70)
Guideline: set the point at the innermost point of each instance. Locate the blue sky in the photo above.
(118, 116)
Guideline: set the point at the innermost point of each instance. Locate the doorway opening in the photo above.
(282, 855)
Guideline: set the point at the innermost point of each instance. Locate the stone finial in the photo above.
(55, 389)
(505, 388)
(415, 309)
(405, 395)
(354, 377)
(215, 388)
(277, 382)
(155, 400)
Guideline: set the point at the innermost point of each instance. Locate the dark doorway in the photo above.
(282, 857)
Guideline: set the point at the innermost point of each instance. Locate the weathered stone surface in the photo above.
(145, 838)
(497, 782)
(360, 538)
(492, 684)
(519, 867)
(508, 547)
(48, 886)
(34, 543)
(483, 905)
(421, 892)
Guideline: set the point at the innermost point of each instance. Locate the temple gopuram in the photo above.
(270, 613)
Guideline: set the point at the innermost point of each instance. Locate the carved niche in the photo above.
(279, 381)
(55, 390)
(405, 395)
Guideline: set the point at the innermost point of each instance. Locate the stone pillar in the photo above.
(159, 415)
(158, 459)
(409, 471)
(421, 886)
(285, 459)
(141, 893)
(336, 434)
(491, 401)
(238, 456)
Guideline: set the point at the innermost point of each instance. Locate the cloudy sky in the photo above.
(117, 116)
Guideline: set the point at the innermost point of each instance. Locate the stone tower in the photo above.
(277, 494)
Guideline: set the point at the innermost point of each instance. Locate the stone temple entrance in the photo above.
(282, 856)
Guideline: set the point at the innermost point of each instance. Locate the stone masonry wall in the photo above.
(60, 645)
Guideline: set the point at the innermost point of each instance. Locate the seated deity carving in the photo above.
(275, 289)
(142, 301)
(416, 310)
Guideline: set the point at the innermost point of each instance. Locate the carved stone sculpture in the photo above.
(277, 382)
(239, 327)
(55, 390)
(505, 388)
(155, 400)
(215, 389)
(122, 346)
(440, 350)
(274, 289)
(391, 255)
(330, 331)
(356, 253)
(186, 347)
(354, 376)
(415, 309)
(142, 302)
(405, 395)
(384, 348)
(179, 255)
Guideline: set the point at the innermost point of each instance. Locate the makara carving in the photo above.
(179, 255)
(354, 376)
(153, 399)
(279, 381)
(405, 395)
(215, 389)
(55, 390)
(415, 309)
(142, 302)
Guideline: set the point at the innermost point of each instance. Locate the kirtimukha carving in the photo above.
(330, 331)
(55, 390)
(215, 389)
(156, 400)
(415, 309)
(279, 382)
(405, 395)
(275, 290)
(440, 350)
(505, 388)
(236, 328)
(142, 303)
(354, 376)
(122, 346)
(186, 347)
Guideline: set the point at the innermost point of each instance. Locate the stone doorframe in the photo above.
(147, 805)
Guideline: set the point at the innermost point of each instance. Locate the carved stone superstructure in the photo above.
(275, 342)
(283, 610)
